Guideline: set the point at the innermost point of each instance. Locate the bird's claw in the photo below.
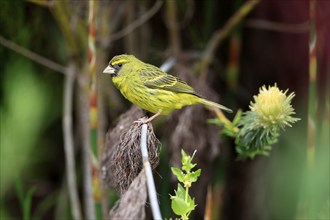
(146, 120)
(143, 120)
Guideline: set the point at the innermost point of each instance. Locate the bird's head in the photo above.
(117, 63)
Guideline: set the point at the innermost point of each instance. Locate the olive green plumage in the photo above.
(150, 88)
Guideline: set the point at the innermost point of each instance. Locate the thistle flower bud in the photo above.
(273, 108)
(270, 112)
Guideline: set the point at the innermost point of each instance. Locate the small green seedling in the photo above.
(182, 203)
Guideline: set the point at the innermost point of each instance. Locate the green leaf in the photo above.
(181, 192)
(182, 204)
(193, 176)
(237, 117)
(19, 191)
(178, 173)
(179, 205)
(183, 153)
(188, 166)
(185, 157)
(27, 204)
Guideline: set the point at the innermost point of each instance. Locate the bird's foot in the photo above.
(143, 120)
(146, 120)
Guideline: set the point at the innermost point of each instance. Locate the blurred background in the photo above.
(52, 54)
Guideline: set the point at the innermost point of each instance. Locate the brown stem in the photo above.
(62, 14)
(130, 38)
(221, 34)
(138, 22)
(84, 125)
(295, 28)
(68, 143)
(33, 56)
(173, 27)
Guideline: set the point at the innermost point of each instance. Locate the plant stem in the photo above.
(68, 142)
(173, 28)
(33, 56)
(186, 201)
(186, 198)
(222, 33)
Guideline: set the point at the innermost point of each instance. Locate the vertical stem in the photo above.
(93, 117)
(131, 38)
(186, 197)
(75, 37)
(83, 106)
(186, 200)
(312, 96)
(173, 27)
(68, 143)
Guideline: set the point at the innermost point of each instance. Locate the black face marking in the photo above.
(118, 66)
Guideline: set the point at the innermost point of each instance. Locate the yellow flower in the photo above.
(273, 108)
(260, 127)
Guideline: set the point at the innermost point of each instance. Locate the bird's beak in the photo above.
(109, 70)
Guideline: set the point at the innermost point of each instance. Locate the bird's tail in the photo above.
(214, 104)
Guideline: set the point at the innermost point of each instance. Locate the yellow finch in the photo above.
(152, 89)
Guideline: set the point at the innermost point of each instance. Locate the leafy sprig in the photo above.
(182, 203)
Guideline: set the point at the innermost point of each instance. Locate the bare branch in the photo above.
(278, 26)
(68, 143)
(222, 33)
(173, 29)
(33, 56)
(145, 17)
(84, 125)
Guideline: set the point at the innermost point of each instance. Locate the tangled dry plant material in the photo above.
(122, 159)
(132, 207)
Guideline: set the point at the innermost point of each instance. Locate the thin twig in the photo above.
(145, 17)
(83, 107)
(189, 12)
(74, 33)
(33, 56)
(173, 27)
(278, 26)
(150, 180)
(130, 40)
(68, 143)
(43, 3)
(222, 33)
(101, 131)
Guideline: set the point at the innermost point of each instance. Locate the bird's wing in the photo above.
(161, 80)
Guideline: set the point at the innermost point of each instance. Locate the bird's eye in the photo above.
(118, 65)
